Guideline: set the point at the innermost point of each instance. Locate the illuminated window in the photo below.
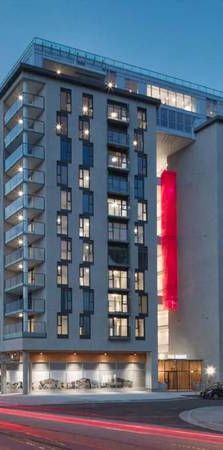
(65, 249)
(119, 327)
(140, 328)
(65, 199)
(65, 100)
(172, 98)
(118, 279)
(143, 304)
(62, 325)
(62, 123)
(142, 118)
(138, 140)
(85, 326)
(142, 211)
(84, 276)
(84, 227)
(62, 224)
(84, 129)
(117, 207)
(62, 274)
(118, 111)
(84, 178)
(88, 255)
(139, 281)
(87, 105)
(139, 234)
(117, 303)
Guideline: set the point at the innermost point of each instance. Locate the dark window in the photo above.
(62, 123)
(85, 326)
(84, 129)
(141, 117)
(62, 174)
(66, 249)
(142, 257)
(118, 255)
(65, 149)
(88, 155)
(87, 105)
(140, 328)
(65, 100)
(117, 231)
(142, 164)
(143, 304)
(62, 224)
(88, 203)
(65, 199)
(139, 187)
(66, 300)
(88, 301)
(62, 325)
(138, 140)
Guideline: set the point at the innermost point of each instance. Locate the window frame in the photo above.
(60, 325)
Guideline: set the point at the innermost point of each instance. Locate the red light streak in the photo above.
(153, 430)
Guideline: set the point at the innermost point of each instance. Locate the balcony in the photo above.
(35, 178)
(34, 281)
(35, 155)
(33, 128)
(118, 139)
(34, 204)
(36, 256)
(35, 306)
(34, 102)
(117, 161)
(27, 330)
(118, 114)
(35, 231)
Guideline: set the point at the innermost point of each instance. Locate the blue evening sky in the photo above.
(179, 37)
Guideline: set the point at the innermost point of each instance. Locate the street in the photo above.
(151, 425)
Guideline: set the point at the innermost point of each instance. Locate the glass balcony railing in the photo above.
(175, 121)
(34, 151)
(27, 125)
(35, 280)
(27, 329)
(114, 137)
(13, 134)
(35, 305)
(25, 201)
(24, 99)
(26, 176)
(14, 256)
(34, 228)
(34, 253)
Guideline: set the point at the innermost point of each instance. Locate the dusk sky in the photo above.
(178, 37)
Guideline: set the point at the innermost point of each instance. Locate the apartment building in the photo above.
(93, 151)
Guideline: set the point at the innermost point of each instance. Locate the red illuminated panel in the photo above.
(169, 239)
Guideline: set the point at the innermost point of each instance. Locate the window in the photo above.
(84, 227)
(138, 141)
(139, 234)
(118, 183)
(117, 159)
(65, 149)
(85, 326)
(62, 274)
(117, 303)
(117, 207)
(88, 254)
(171, 98)
(118, 111)
(88, 301)
(65, 100)
(62, 174)
(88, 203)
(84, 129)
(118, 255)
(62, 224)
(84, 276)
(139, 281)
(118, 327)
(142, 257)
(88, 156)
(117, 231)
(62, 325)
(84, 178)
(87, 105)
(142, 164)
(143, 304)
(66, 249)
(118, 279)
(140, 328)
(141, 118)
(139, 187)
(65, 199)
(131, 86)
(62, 123)
(66, 300)
(142, 211)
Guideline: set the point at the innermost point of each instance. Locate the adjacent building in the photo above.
(111, 222)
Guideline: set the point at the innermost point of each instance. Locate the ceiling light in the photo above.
(58, 126)
(20, 121)
(20, 216)
(20, 241)
(135, 142)
(58, 71)
(110, 85)
(20, 97)
(20, 193)
(20, 169)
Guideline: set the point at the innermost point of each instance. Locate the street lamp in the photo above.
(210, 371)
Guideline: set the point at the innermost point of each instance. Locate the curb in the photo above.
(209, 421)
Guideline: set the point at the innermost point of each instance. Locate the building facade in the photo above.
(93, 151)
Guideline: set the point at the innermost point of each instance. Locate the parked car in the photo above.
(214, 391)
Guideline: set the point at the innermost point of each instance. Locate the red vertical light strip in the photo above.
(169, 239)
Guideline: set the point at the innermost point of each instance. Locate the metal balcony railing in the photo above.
(24, 150)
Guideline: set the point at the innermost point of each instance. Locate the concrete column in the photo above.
(3, 378)
(26, 369)
(151, 371)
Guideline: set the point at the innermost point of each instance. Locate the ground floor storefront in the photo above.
(180, 374)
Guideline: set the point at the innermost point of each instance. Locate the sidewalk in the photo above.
(47, 398)
(208, 417)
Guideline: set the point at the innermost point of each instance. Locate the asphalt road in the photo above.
(105, 427)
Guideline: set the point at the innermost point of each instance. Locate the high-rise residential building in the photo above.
(92, 152)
